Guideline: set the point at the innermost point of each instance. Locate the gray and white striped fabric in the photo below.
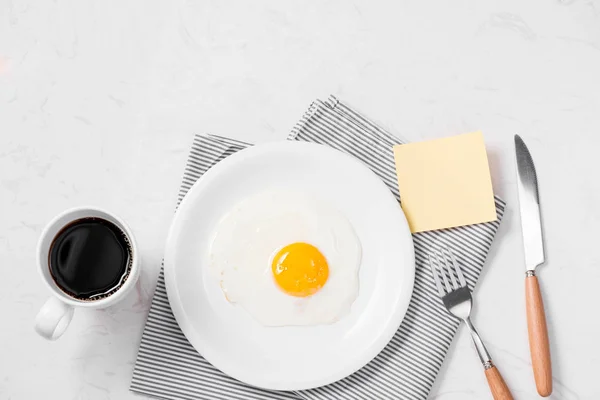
(167, 365)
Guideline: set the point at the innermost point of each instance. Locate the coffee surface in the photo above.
(90, 258)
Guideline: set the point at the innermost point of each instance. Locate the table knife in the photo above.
(533, 244)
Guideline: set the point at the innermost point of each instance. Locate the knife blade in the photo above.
(529, 202)
(533, 246)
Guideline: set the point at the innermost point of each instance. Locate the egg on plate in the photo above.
(287, 258)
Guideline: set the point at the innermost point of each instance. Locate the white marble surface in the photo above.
(99, 101)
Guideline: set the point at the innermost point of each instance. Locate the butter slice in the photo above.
(445, 183)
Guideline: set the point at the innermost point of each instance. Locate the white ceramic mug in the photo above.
(56, 314)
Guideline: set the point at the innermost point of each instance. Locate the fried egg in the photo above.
(287, 259)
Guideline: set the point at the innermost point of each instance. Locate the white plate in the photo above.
(290, 358)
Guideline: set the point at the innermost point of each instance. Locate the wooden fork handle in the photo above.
(539, 346)
(497, 385)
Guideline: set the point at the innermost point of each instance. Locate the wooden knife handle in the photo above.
(539, 346)
(497, 385)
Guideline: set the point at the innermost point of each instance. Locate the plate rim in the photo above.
(207, 353)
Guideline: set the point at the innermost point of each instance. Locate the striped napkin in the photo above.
(167, 365)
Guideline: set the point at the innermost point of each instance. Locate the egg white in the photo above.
(248, 237)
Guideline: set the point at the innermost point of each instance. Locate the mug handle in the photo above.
(53, 319)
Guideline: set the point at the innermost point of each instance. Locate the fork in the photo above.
(457, 299)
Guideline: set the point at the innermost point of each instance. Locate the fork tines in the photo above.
(446, 265)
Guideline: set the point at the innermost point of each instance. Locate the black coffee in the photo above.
(90, 258)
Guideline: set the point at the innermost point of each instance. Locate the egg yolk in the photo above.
(300, 269)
